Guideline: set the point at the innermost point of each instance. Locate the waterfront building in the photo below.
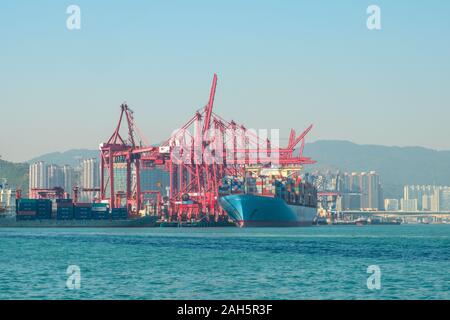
(444, 203)
(436, 200)
(90, 178)
(355, 185)
(364, 187)
(155, 179)
(371, 193)
(426, 202)
(7, 197)
(38, 176)
(429, 198)
(68, 178)
(391, 204)
(55, 176)
(361, 191)
(412, 192)
(43, 176)
(408, 205)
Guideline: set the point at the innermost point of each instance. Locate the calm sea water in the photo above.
(327, 262)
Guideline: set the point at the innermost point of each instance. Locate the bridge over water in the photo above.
(406, 216)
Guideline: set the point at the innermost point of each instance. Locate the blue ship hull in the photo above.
(248, 210)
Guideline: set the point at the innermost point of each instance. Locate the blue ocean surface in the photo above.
(326, 262)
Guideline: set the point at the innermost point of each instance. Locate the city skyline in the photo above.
(86, 174)
(363, 191)
(359, 191)
(308, 62)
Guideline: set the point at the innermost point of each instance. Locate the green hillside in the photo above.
(15, 173)
(71, 157)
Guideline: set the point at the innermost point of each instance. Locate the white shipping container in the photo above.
(164, 149)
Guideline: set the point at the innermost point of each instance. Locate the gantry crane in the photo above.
(197, 157)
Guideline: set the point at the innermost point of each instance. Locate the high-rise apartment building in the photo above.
(69, 178)
(7, 196)
(364, 187)
(371, 193)
(361, 191)
(43, 176)
(436, 200)
(426, 202)
(90, 178)
(391, 205)
(55, 177)
(355, 185)
(408, 205)
(38, 176)
(351, 193)
(155, 179)
(374, 191)
(444, 203)
(429, 198)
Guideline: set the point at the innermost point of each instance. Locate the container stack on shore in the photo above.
(64, 209)
(119, 213)
(34, 209)
(44, 209)
(26, 209)
(100, 211)
(82, 211)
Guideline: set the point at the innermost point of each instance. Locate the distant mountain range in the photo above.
(396, 165)
(71, 157)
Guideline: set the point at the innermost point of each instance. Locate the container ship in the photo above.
(42, 213)
(274, 199)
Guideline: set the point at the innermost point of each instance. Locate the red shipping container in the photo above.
(65, 205)
(26, 213)
(83, 205)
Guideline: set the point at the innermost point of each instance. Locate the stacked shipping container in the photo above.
(100, 211)
(82, 211)
(64, 209)
(26, 209)
(119, 213)
(44, 209)
(32, 209)
(293, 191)
(41, 209)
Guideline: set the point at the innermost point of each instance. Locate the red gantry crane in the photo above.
(207, 149)
(197, 156)
(125, 153)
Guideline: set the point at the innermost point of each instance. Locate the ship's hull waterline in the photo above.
(249, 210)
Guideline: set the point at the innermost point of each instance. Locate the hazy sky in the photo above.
(281, 64)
